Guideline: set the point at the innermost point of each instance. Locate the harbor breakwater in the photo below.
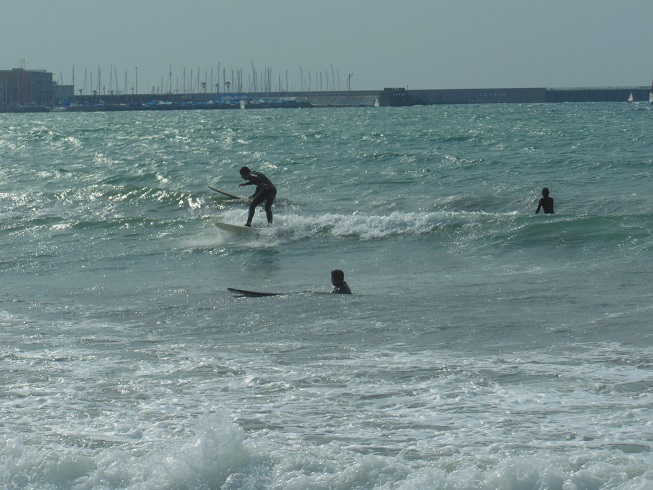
(387, 97)
(513, 95)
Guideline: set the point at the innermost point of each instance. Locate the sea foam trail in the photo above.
(355, 225)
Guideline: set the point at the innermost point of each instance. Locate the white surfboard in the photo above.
(237, 229)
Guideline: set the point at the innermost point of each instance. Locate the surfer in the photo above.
(338, 281)
(546, 203)
(265, 191)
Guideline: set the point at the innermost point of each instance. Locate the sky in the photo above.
(169, 45)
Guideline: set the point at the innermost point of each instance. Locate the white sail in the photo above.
(630, 97)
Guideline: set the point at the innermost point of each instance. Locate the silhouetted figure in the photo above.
(546, 202)
(265, 191)
(338, 281)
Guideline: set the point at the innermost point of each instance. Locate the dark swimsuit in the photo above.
(546, 203)
(341, 288)
(265, 191)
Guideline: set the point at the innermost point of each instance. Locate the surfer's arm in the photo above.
(254, 180)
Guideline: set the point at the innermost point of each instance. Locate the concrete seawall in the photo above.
(388, 97)
(401, 96)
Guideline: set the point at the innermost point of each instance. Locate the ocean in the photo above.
(484, 346)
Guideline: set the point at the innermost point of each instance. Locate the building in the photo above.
(20, 88)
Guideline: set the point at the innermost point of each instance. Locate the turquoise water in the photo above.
(484, 346)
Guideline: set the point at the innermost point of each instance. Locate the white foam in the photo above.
(357, 225)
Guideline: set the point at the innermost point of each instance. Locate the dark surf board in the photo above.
(252, 294)
(234, 196)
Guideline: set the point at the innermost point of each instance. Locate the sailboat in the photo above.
(630, 97)
(650, 97)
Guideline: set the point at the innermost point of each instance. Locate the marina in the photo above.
(36, 91)
(388, 97)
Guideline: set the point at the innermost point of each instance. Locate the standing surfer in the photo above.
(265, 191)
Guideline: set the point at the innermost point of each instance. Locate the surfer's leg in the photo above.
(258, 199)
(268, 207)
(250, 216)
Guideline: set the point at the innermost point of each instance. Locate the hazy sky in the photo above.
(418, 44)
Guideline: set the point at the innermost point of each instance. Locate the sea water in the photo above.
(484, 346)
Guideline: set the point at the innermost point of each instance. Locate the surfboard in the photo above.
(252, 294)
(234, 196)
(238, 229)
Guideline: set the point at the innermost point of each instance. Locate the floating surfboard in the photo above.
(238, 229)
(252, 294)
(258, 294)
(234, 196)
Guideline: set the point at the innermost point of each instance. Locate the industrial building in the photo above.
(30, 91)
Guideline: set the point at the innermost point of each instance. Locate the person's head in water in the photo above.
(244, 172)
(545, 192)
(337, 276)
(338, 281)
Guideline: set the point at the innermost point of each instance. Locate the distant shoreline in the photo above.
(388, 97)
